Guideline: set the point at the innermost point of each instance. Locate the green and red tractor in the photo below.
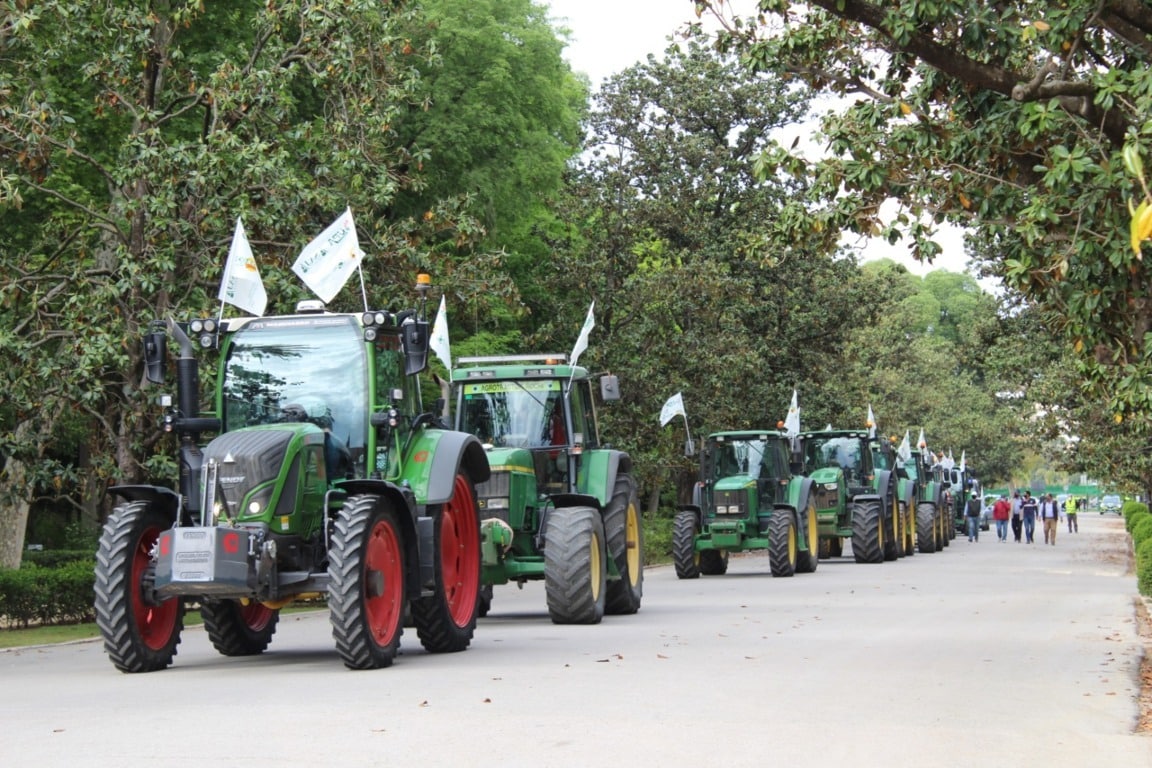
(746, 499)
(561, 504)
(856, 494)
(326, 479)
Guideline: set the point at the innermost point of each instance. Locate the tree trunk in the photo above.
(15, 492)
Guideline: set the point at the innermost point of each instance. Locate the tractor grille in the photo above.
(824, 497)
(730, 504)
(492, 495)
(246, 459)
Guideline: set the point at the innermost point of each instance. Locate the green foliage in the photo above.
(1134, 517)
(1141, 529)
(57, 595)
(1144, 567)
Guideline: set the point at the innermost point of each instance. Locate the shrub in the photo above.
(47, 595)
(1144, 567)
(1134, 516)
(657, 540)
(1141, 530)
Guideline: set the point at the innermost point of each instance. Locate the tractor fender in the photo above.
(437, 456)
(600, 470)
(798, 497)
(166, 500)
(885, 486)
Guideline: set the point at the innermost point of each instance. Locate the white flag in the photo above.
(905, 449)
(241, 285)
(920, 440)
(327, 262)
(871, 423)
(962, 462)
(439, 342)
(582, 341)
(792, 422)
(672, 408)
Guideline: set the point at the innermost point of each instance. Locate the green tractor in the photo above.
(561, 505)
(960, 486)
(856, 494)
(746, 499)
(933, 528)
(326, 480)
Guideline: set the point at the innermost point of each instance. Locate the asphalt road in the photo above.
(986, 654)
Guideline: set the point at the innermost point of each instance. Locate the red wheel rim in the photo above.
(460, 553)
(154, 623)
(383, 612)
(256, 616)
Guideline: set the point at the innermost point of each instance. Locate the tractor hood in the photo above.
(510, 460)
(735, 483)
(827, 475)
(251, 459)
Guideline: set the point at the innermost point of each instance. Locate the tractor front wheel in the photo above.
(236, 629)
(140, 633)
(366, 582)
(867, 532)
(685, 528)
(446, 620)
(808, 559)
(574, 573)
(926, 527)
(782, 549)
(625, 538)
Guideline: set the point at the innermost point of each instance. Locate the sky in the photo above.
(608, 36)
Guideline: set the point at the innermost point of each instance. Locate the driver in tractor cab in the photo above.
(313, 410)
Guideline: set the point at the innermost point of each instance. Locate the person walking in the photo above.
(1017, 522)
(1071, 507)
(973, 510)
(1049, 516)
(1001, 511)
(1028, 509)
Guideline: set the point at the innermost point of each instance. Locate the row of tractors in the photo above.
(327, 479)
(802, 496)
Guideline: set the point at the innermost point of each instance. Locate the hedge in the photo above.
(1141, 530)
(61, 595)
(1144, 567)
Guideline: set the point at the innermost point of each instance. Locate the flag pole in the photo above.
(363, 290)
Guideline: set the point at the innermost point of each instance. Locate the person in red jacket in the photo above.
(1001, 511)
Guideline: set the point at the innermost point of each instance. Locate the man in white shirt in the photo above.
(1049, 516)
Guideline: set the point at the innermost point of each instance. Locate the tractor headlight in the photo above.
(499, 502)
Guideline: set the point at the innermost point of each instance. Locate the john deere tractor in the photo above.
(326, 480)
(561, 505)
(855, 499)
(746, 499)
(933, 522)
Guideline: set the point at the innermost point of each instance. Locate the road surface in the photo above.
(986, 654)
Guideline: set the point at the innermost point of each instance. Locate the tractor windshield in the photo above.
(298, 369)
(837, 452)
(514, 414)
(744, 457)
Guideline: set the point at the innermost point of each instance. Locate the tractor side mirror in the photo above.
(415, 346)
(609, 387)
(155, 356)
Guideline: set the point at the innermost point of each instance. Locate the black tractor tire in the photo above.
(446, 620)
(808, 559)
(685, 558)
(575, 577)
(867, 532)
(139, 635)
(909, 517)
(624, 532)
(714, 562)
(782, 546)
(236, 629)
(892, 526)
(485, 604)
(926, 527)
(366, 591)
(835, 547)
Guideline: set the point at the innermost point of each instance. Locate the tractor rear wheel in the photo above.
(891, 527)
(685, 528)
(366, 582)
(236, 629)
(867, 532)
(625, 538)
(908, 514)
(926, 527)
(446, 620)
(574, 567)
(140, 634)
(808, 559)
(782, 548)
(485, 601)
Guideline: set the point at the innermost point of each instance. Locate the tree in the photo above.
(131, 136)
(1010, 119)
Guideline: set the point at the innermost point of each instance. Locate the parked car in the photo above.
(1111, 503)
